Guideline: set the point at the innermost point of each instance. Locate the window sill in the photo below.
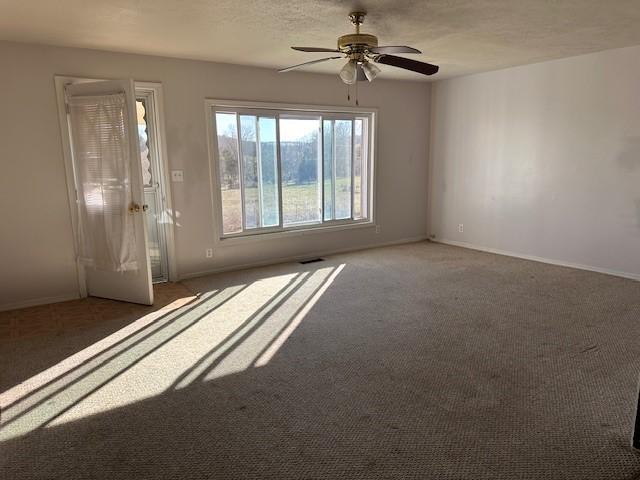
(291, 232)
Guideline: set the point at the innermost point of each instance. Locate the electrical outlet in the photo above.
(377, 228)
(208, 253)
(460, 227)
(177, 175)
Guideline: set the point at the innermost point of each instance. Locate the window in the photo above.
(290, 168)
(151, 179)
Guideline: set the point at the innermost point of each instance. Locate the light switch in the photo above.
(177, 176)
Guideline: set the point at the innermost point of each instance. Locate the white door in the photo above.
(109, 190)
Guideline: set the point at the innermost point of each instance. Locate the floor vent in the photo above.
(313, 260)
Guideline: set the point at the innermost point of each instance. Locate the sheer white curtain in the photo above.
(101, 157)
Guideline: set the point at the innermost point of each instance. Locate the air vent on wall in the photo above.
(313, 260)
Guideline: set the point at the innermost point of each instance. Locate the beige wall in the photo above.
(542, 161)
(36, 253)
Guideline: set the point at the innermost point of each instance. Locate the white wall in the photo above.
(36, 254)
(542, 160)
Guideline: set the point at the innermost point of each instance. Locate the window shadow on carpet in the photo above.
(220, 333)
(40, 337)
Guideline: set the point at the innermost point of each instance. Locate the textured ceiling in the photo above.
(462, 36)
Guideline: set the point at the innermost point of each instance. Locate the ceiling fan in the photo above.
(363, 53)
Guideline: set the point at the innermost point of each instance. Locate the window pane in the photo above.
(360, 194)
(249, 151)
(342, 140)
(143, 139)
(268, 171)
(153, 234)
(227, 132)
(328, 168)
(300, 157)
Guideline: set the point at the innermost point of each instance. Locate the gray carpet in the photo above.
(418, 361)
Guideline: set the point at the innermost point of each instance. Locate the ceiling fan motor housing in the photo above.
(357, 41)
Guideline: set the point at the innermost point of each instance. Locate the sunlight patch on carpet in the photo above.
(221, 333)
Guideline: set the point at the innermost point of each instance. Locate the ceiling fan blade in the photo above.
(407, 64)
(394, 49)
(315, 49)
(307, 63)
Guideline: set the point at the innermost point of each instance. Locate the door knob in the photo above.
(145, 207)
(134, 208)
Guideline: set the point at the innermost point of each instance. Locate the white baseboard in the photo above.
(34, 302)
(561, 263)
(296, 258)
(63, 298)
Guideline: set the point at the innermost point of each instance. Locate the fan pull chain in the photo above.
(356, 93)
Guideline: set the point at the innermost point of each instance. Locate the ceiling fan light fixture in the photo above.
(370, 70)
(349, 73)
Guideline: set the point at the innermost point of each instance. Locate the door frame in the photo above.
(154, 89)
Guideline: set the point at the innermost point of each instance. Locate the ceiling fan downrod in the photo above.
(357, 19)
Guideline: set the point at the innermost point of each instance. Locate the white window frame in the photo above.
(277, 110)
